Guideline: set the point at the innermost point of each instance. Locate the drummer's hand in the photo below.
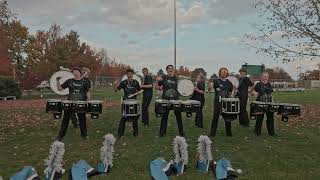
(255, 93)
(234, 87)
(159, 78)
(58, 78)
(116, 83)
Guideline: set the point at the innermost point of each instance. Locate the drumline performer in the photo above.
(198, 95)
(244, 84)
(147, 96)
(85, 74)
(169, 84)
(129, 87)
(223, 88)
(263, 91)
(79, 90)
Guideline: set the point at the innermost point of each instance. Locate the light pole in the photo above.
(175, 35)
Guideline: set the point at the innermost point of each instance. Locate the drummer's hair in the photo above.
(76, 68)
(170, 65)
(243, 70)
(85, 69)
(129, 70)
(222, 69)
(265, 72)
(145, 69)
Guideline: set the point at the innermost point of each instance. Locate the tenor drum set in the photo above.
(185, 89)
(57, 106)
(286, 110)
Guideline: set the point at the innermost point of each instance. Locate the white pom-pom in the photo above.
(55, 159)
(204, 148)
(107, 150)
(239, 171)
(180, 149)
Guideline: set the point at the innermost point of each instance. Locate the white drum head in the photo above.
(130, 101)
(136, 77)
(65, 75)
(185, 87)
(234, 80)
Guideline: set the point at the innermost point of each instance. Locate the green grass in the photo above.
(295, 154)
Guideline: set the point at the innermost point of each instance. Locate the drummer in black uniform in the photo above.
(129, 86)
(147, 96)
(223, 89)
(79, 90)
(198, 95)
(244, 84)
(263, 91)
(169, 84)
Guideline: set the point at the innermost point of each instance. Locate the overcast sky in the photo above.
(140, 32)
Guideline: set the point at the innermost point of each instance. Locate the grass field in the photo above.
(26, 133)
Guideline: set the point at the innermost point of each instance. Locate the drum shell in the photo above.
(130, 108)
(230, 106)
(67, 105)
(273, 107)
(94, 107)
(186, 106)
(174, 105)
(289, 110)
(80, 106)
(54, 106)
(258, 108)
(195, 106)
(161, 107)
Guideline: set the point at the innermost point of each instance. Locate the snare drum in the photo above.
(195, 106)
(54, 106)
(230, 105)
(186, 106)
(67, 105)
(293, 110)
(161, 106)
(94, 108)
(174, 104)
(130, 108)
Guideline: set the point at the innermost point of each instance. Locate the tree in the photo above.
(278, 74)
(312, 75)
(292, 30)
(183, 71)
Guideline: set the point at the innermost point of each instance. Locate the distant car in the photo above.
(43, 85)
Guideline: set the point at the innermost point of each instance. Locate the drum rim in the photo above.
(229, 99)
(94, 101)
(130, 101)
(80, 102)
(54, 100)
(258, 102)
(161, 100)
(69, 101)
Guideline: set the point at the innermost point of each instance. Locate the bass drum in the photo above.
(185, 87)
(136, 77)
(65, 75)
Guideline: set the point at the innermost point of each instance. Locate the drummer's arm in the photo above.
(199, 90)
(88, 94)
(63, 86)
(148, 85)
(117, 86)
(254, 91)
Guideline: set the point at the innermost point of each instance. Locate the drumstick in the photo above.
(135, 94)
(85, 73)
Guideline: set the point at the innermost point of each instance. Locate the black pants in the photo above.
(243, 116)
(65, 123)
(199, 115)
(145, 108)
(164, 123)
(215, 119)
(270, 123)
(122, 125)
(74, 119)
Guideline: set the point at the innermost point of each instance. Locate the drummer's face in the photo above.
(224, 73)
(200, 77)
(130, 75)
(243, 73)
(145, 72)
(170, 71)
(265, 77)
(76, 74)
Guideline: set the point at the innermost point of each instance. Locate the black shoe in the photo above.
(85, 137)
(135, 135)
(75, 125)
(59, 138)
(274, 135)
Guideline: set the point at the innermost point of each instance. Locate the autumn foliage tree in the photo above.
(279, 74)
